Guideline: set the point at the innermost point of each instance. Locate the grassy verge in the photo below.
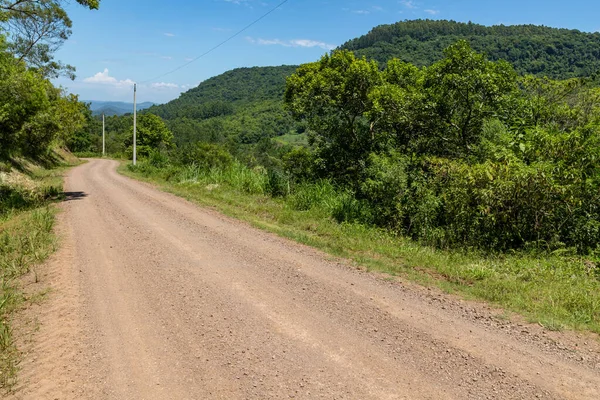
(27, 216)
(557, 291)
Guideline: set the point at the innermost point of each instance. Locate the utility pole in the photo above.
(103, 138)
(134, 124)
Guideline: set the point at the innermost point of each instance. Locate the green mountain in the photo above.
(110, 108)
(245, 105)
(538, 50)
(236, 87)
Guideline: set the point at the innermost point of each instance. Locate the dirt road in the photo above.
(155, 298)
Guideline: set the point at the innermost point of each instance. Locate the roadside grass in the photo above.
(26, 240)
(557, 291)
(87, 154)
(27, 215)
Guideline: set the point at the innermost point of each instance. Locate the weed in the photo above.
(26, 239)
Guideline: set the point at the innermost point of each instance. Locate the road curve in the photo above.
(156, 298)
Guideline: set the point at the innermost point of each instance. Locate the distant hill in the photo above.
(235, 87)
(246, 104)
(538, 50)
(111, 108)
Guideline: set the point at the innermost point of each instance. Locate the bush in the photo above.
(278, 184)
(504, 205)
(349, 209)
(384, 187)
(299, 163)
(306, 196)
(158, 159)
(204, 155)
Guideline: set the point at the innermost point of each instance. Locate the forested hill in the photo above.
(217, 95)
(245, 105)
(539, 50)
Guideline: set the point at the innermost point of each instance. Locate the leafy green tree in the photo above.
(400, 105)
(23, 94)
(84, 138)
(333, 96)
(463, 90)
(37, 28)
(152, 135)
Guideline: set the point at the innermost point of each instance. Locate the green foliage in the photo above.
(332, 96)
(220, 93)
(85, 139)
(152, 134)
(462, 91)
(384, 186)
(321, 194)
(299, 163)
(239, 110)
(463, 152)
(33, 113)
(37, 29)
(204, 155)
(537, 50)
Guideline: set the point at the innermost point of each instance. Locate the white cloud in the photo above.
(306, 43)
(312, 43)
(363, 11)
(164, 85)
(432, 12)
(408, 4)
(169, 34)
(103, 78)
(166, 57)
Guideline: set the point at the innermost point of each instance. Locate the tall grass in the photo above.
(555, 290)
(26, 239)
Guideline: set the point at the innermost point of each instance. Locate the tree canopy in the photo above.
(463, 152)
(531, 49)
(152, 135)
(36, 29)
(35, 115)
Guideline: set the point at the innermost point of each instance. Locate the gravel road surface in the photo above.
(153, 297)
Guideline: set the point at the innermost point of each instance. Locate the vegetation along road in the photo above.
(155, 298)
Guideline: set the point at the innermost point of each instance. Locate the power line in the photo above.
(222, 43)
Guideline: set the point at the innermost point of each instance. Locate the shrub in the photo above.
(384, 187)
(306, 196)
(278, 184)
(204, 155)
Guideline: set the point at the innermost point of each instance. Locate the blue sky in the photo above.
(130, 41)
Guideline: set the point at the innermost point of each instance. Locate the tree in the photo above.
(464, 89)
(85, 138)
(152, 135)
(23, 94)
(37, 28)
(333, 96)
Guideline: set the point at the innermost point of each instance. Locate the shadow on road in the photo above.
(72, 196)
